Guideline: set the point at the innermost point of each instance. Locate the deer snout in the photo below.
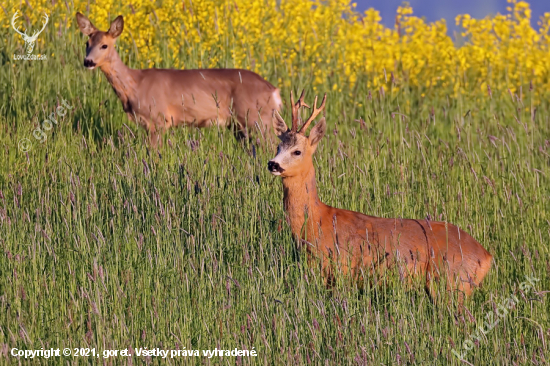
(89, 63)
(274, 167)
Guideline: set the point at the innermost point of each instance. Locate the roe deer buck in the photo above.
(160, 98)
(356, 242)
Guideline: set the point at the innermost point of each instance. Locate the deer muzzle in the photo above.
(89, 64)
(274, 168)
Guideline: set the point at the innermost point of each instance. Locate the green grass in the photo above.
(108, 245)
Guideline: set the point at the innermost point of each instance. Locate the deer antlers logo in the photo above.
(29, 40)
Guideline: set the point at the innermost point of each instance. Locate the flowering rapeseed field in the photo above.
(321, 39)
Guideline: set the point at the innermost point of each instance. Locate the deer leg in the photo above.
(455, 283)
(465, 288)
(432, 277)
(328, 275)
(236, 125)
(251, 123)
(155, 137)
(240, 134)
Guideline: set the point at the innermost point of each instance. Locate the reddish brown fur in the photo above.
(359, 244)
(160, 98)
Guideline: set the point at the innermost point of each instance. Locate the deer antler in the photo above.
(15, 16)
(295, 108)
(314, 114)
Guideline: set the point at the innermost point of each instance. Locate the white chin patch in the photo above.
(276, 173)
(91, 67)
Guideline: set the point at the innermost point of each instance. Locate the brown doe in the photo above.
(160, 98)
(358, 244)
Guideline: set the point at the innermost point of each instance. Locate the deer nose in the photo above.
(274, 167)
(88, 63)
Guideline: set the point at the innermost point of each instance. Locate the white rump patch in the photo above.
(277, 98)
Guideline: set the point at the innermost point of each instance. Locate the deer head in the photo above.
(29, 40)
(296, 149)
(100, 45)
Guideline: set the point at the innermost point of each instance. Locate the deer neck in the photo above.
(122, 79)
(302, 203)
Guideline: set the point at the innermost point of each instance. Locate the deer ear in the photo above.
(85, 25)
(116, 27)
(279, 124)
(318, 132)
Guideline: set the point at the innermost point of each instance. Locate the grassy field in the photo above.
(105, 244)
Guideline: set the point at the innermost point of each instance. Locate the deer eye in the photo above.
(104, 47)
(297, 152)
